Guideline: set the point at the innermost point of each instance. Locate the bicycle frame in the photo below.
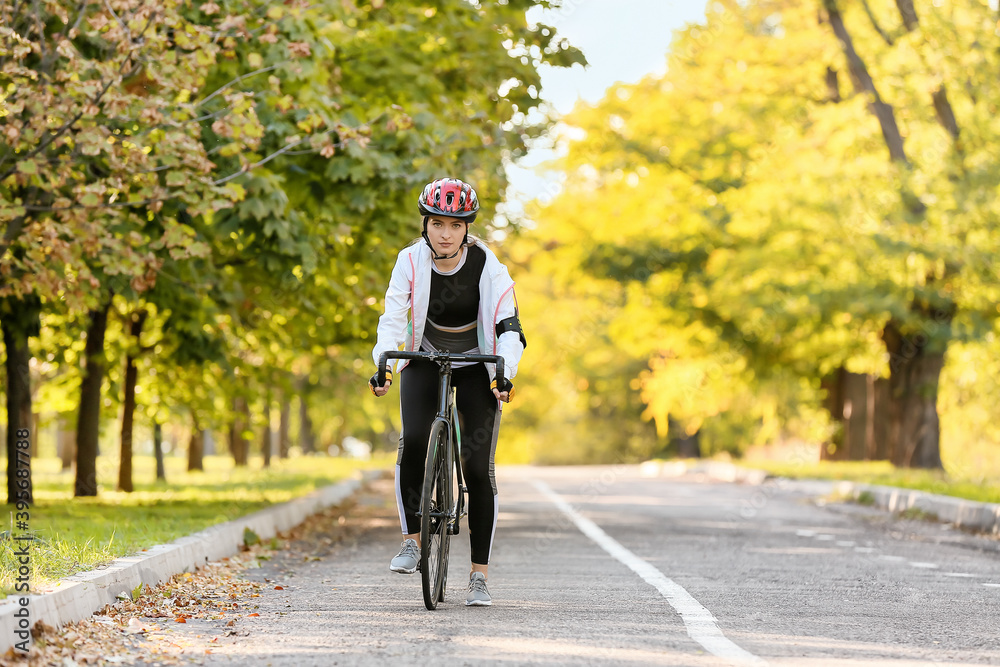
(443, 469)
(446, 409)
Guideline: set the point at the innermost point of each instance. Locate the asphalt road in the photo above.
(601, 566)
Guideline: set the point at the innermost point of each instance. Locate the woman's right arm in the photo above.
(392, 323)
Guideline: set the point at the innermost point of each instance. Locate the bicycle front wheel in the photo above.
(435, 504)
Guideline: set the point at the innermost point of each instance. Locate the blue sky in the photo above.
(623, 40)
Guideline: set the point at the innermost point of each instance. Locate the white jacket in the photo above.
(408, 296)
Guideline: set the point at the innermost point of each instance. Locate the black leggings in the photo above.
(479, 420)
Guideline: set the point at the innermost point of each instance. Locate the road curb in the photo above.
(966, 514)
(80, 595)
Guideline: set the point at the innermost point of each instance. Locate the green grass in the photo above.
(984, 486)
(78, 534)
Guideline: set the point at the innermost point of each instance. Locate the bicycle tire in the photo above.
(435, 504)
(454, 464)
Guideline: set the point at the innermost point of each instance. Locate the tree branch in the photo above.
(282, 151)
(863, 83)
(908, 13)
(41, 34)
(871, 17)
(68, 124)
(145, 202)
(80, 13)
(945, 114)
(939, 98)
(124, 26)
(832, 86)
(235, 81)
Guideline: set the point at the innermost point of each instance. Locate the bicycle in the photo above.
(442, 499)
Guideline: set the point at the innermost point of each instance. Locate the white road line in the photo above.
(992, 585)
(698, 620)
(926, 566)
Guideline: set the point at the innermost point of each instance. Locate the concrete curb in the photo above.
(966, 514)
(80, 595)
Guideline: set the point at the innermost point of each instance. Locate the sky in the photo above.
(623, 40)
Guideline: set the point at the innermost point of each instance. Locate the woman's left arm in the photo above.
(510, 338)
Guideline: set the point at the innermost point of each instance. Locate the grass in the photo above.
(79, 534)
(984, 486)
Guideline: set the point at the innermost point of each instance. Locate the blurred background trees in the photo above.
(788, 237)
(792, 233)
(201, 201)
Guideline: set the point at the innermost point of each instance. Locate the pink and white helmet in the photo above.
(450, 197)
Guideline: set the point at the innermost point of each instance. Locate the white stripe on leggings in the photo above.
(399, 503)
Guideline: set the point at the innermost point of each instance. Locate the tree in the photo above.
(182, 158)
(772, 228)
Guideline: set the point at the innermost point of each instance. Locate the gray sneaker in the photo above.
(408, 559)
(478, 595)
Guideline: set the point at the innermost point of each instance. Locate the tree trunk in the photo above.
(689, 446)
(853, 401)
(128, 407)
(161, 470)
(283, 440)
(247, 434)
(89, 417)
(239, 447)
(306, 437)
(915, 368)
(267, 441)
(16, 329)
(878, 424)
(914, 372)
(196, 447)
(66, 443)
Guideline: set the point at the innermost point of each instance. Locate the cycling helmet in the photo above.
(450, 197)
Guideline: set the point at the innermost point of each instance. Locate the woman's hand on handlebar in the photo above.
(375, 389)
(507, 395)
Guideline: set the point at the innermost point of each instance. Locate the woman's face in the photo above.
(446, 234)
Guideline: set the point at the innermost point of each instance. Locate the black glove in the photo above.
(373, 381)
(504, 385)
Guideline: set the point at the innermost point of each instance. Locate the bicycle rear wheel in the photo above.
(435, 504)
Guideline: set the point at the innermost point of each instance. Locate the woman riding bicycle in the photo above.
(450, 293)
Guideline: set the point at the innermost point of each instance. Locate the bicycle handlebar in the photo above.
(438, 357)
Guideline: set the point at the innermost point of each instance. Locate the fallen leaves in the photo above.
(127, 631)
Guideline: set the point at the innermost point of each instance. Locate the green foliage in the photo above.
(245, 172)
(738, 225)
